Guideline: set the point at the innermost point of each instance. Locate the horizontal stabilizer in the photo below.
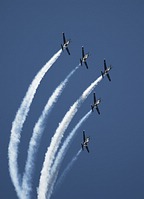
(62, 47)
(102, 74)
(92, 107)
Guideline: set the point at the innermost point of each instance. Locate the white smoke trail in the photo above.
(18, 122)
(56, 140)
(37, 134)
(67, 169)
(62, 152)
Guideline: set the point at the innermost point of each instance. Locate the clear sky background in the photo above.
(31, 33)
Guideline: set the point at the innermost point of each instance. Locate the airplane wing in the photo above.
(83, 52)
(94, 98)
(105, 67)
(68, 50)
(108, 76)
(87, 149)
(86, 64)
(84, 136)
(97, 110)
(64, 40)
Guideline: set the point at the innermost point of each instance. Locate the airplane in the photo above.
(65, 44)
(85, 142)
(84, 58)
(106, 70)
(95, 104)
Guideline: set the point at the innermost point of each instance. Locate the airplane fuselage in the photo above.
(85, 57)
(86, 141)
(66, 44)
(95, 105)
(107, 70)
(97, 102)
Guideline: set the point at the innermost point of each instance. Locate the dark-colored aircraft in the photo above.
(96, 103)
(106, 71)
(65, 44)
(85, 142)
(84, 58)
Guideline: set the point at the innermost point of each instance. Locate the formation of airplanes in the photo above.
(96, 102)
(84, 57)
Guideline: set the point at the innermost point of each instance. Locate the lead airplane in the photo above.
(65, 44)
(84, 58)
(106, 71)
(85, 142)
(95, 104)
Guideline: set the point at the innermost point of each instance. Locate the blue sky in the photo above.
(31, 33)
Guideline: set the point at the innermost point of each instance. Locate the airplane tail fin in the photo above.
(61, 46)
(81, 62)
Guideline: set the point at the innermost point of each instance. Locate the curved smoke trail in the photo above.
(18, 122)
(67, 169)
(62, 152)
(37, 134)
(56, 140)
